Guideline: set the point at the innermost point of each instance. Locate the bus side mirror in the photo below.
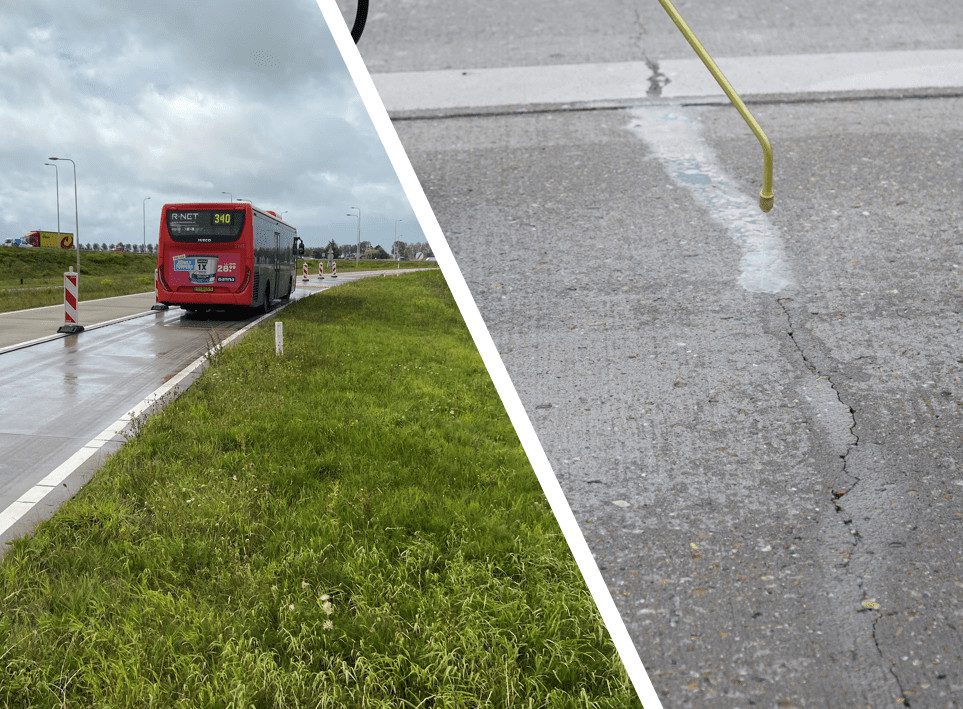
(298, 247)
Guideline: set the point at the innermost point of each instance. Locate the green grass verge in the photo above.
(351, 524)
(31, 278)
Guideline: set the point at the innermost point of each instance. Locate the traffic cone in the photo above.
(320, 270)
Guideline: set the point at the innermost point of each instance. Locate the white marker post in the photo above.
(71, 324)
(278, 338)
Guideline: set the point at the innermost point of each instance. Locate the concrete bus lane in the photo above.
(754, 420)
(56, 396)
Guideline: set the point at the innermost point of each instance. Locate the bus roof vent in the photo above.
(273, 214)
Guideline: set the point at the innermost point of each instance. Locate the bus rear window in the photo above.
(205, 225)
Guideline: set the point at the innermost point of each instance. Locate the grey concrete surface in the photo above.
(417, 35)
(769, 481)
(26, 325)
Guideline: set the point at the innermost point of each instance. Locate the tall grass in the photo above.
(351, 524)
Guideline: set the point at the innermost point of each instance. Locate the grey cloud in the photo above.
(180, 101)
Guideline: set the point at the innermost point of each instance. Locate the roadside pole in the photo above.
(72, 281)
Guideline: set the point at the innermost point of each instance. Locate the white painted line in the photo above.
(675, 136)
(63, 471)
(624, 83)
(34, 495)
(841, 72)
(489, 354)
(13, 514)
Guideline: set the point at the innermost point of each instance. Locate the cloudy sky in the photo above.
(182, 101)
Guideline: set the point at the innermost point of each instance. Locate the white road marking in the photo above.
(627, 83)
(676, 139)
(490, 356)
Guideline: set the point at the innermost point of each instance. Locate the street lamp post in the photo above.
(229, 195)
(144, 213)
(357, 253)
(57, 177)
(76, 216)
(73, 328)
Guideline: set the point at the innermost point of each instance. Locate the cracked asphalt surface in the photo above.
(793, 526)
(769, 482)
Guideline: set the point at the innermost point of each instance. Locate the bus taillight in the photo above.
(160, 278)
(247, 278)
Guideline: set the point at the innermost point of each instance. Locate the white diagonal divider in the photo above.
(489, 354)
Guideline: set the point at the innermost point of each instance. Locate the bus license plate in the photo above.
(203, 289)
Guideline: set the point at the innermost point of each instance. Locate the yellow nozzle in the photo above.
(766, 197)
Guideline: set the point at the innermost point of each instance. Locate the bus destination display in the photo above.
(205, 225)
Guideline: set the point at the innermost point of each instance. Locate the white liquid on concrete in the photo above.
(675, 137)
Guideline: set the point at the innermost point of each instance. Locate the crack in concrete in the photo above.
(890, 666)
(657, 80)
(839, 493)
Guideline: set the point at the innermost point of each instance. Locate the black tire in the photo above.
(266, 305)
(287, 297)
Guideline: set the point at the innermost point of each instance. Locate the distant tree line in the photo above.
(130, 248)
(405, 251)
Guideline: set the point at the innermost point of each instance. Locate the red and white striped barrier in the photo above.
(334, 269)
(304, 272)
(71, 288)
(320, 270)
(70, 297)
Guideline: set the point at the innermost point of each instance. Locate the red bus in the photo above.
(224, 255)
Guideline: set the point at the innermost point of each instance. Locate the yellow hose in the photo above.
(766, 197)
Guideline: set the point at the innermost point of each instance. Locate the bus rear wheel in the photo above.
(266, 305)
